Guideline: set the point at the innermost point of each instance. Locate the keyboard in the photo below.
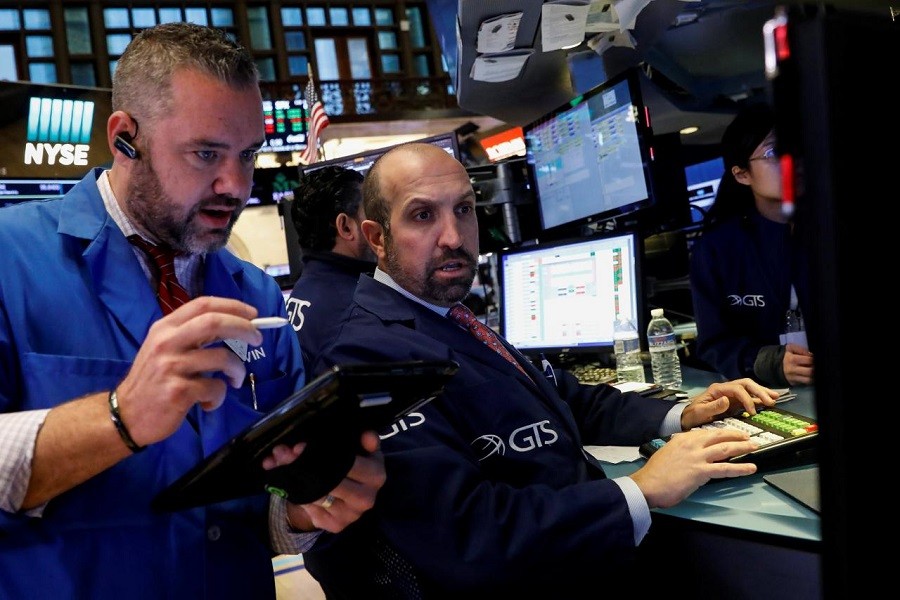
(593, 374)
(779, 433)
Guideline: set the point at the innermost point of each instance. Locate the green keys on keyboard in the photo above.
(776, 431)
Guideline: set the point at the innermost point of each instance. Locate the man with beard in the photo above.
(488, 488)
(327, 212)
(110, 389)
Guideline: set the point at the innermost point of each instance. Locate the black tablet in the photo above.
(329, 414)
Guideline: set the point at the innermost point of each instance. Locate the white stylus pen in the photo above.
(269, 322)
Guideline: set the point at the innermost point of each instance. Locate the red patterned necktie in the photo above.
(465, 318)
(170, 293)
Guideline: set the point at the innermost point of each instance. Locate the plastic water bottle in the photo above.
(663, 351)
(627, 348)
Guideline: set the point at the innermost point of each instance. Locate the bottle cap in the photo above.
(656, 312)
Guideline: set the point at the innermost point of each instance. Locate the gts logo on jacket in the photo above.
(523, 439)
(413, 419)
(752, 300)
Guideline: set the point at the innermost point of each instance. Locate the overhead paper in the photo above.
(562, 24)
(500, 67)
(498, 34)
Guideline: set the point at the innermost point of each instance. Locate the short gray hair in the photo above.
(143, 76)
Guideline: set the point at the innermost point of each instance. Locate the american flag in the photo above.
(317, 120)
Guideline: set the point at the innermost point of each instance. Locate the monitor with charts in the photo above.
(564, 297)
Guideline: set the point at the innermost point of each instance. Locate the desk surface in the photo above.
(746, 503)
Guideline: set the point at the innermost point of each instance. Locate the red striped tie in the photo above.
(465, 318)
(170, 293)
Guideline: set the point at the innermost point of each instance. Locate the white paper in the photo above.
(498, 34)
(633, 386)
(562, 24)
(601, 16)
(628, 11)
(614, 454)
(494, 68)
(238, 347)
(602, 42)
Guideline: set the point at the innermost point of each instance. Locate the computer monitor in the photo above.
(260, 234)
(273, 185)
(590, 159)
(362, 161)
(21, 190)
(285, 125)
(563, 297)
(702, 185)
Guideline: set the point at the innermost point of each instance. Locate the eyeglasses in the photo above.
(768, 154)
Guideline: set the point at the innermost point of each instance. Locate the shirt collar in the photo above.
(387, 280)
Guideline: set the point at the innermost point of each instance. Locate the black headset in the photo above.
(123, 142)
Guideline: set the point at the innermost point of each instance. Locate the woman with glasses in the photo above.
(748, 278)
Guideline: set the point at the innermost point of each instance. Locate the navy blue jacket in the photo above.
(741, 275)
(488, 487)
(320, 296)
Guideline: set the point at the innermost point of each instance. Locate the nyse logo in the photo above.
(757, 300)
(59, 131)
(523, 439)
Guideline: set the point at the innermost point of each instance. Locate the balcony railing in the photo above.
(371, 98)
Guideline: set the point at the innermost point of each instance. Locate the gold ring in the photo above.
(328, 501)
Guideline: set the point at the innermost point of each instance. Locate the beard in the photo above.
(158, 214)
(427, 287)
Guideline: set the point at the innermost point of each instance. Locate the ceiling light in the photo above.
(570, 46)
(689, 130)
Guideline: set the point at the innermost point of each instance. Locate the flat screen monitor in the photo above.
(362, 161)
(590, 159)
(702, 185)
(285, 125)
(273, 185)
(564, 296)
(21, 190)
(260, 234)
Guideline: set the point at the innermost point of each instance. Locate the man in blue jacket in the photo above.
(327, 213)
(108, 392)
(489, 489)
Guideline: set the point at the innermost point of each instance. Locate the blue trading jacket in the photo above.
(74, 308)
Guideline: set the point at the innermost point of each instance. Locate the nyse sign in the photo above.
(52, 132)
(64, 154)
(59, 131)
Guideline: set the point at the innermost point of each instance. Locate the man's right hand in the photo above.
(175, 367)
(689, 460)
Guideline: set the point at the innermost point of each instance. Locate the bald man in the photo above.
(488, 489)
